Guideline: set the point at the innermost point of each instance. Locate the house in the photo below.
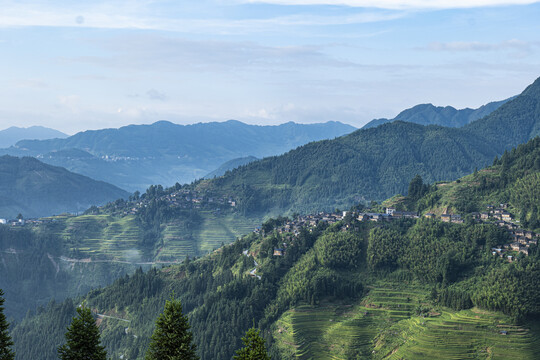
(429, 215)
(515, 246)
(363, 217)
(3, 221)
(390, 210)
(456, 219)
(484, 216)
(404, 214)
(278, 252)
(446, 217)
(506, 216)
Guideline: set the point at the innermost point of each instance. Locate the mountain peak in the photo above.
(533, 90)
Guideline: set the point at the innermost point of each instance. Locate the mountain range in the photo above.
(137, 156)
(428, 114)
(376, 163)
(12, 135)
(34, 189)
(413, 288)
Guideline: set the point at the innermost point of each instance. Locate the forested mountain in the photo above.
(12, 135)
(230, 165)
(428, 114)
(513, 180)
(32, 188)
(137, 156)
(350, 290)
(406, 287)
(374, 164)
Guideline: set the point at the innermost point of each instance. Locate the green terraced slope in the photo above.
(102, 237)
(222, 229)
(112, 238)
(385, 325)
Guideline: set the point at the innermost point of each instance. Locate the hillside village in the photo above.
(521, 240)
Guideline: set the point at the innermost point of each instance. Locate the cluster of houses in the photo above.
(521, 239)
(307, 221)
(294, 226)
(23, 222)
(187, 199)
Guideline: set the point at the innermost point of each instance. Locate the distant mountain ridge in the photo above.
(35, 189)
(428, 114)
(376, 163)
(136, 156)
(12, 135)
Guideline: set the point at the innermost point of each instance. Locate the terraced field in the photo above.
(385, 325)
(102, 236)
(177, 243)
(218, 229)
(468, 334)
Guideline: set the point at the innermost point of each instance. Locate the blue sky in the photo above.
(94, 64)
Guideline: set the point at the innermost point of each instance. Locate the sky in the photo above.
(79, 65)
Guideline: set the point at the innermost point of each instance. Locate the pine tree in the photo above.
(83, 342)
(5, 339)
(172, 339)
(254, 348)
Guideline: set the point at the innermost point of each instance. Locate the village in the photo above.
(186, 199)
(521, 241)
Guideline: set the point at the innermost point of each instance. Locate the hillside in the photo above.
(338, 292)
(12, 135)
(230, 165)
(34, 189)
(428, 114)
(374, 164)
(511, 180)
(137, 156)
(155, 229)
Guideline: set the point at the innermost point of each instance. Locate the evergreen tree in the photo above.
(5, 339)
(254, 348)
(82, 337)
(172, 339)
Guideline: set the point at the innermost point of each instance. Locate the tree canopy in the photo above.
(254, 348)
(5, 339)
(172, 339)
(83, 339)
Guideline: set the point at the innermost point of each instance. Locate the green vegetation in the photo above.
(512, 179)
(6, 352)
(171, 338)
(82, 338)
(333, 294)
(254, 348)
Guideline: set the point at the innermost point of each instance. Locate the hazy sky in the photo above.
(76, 65)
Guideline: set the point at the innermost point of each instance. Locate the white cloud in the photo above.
(481, 46)
(63, 18)
(151, 52)
(400, 4)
